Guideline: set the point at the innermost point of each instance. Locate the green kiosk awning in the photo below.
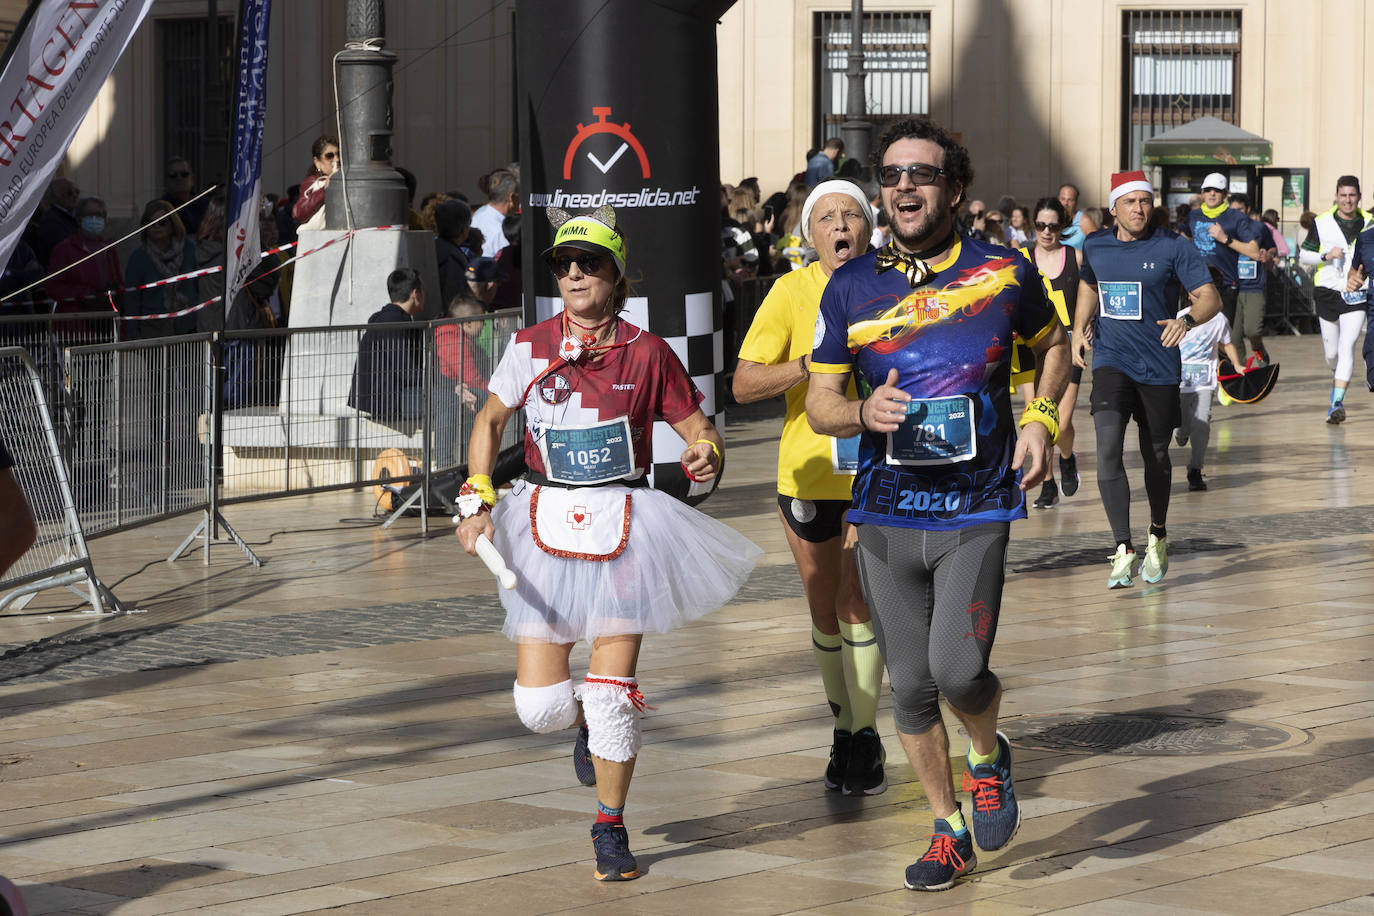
(1207, 141)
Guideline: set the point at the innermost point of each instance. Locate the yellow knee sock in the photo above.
(863, 672)
(830, 659)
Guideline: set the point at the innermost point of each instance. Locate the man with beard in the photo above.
(925, 326)
(1137, 369)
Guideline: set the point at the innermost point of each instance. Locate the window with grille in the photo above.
(896, 68)
(1179, 65)
(197, 114)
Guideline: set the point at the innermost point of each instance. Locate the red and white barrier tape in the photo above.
(214, 270)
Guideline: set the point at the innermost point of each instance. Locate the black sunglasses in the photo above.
(178, 174)
(1047, 227)
(587, 263)
(889, 176)
(333, 155)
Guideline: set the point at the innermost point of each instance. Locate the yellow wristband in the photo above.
(715, 448)
(1042, 410)
(481, 484)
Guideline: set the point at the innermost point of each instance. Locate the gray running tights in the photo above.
(935, 597)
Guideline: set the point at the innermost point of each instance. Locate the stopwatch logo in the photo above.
(628, 141)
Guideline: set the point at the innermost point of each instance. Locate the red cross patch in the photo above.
(579, 518)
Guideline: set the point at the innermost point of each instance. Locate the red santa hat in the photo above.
(1125, 183)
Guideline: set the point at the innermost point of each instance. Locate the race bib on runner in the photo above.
(1246, 268)
(844, 455)
(936, 431)
(1120, 300)
(598, 453)
(1198, 375)
(1356, 298)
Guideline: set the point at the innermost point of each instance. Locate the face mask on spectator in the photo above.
(93, 225)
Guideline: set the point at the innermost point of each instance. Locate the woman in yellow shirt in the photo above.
(815, 476)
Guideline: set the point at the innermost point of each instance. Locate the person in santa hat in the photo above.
(1131, 270)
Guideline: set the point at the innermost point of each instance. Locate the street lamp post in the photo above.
(856, 131)
(370, 192)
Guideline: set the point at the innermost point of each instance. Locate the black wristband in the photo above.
(861, 415)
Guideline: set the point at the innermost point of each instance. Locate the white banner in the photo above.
(59, 64)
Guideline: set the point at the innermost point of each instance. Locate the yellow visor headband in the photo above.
(590, 234)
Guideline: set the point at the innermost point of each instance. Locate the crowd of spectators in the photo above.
(762, 237)
(181, 231)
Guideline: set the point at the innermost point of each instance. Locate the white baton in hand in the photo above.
(492, 557)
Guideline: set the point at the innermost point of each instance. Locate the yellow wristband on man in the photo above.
(1042, 410)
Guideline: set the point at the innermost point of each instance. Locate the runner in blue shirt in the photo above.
(1222, 235)
(1363, 258)
(1134, 273)
(925, 325)
(1248, 324)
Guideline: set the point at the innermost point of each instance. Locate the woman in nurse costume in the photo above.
(599, 555)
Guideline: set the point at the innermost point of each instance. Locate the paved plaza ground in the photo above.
(334, 731)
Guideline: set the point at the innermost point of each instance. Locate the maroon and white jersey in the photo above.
(591, 421)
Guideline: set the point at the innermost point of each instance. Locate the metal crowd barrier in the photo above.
(1288, 303)
(295, 411)
(59, 556)
(46, 337)
(137, 414)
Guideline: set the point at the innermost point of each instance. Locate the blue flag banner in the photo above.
(245, 183)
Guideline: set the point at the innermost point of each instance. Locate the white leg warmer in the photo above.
(613, 729)
(546, 709)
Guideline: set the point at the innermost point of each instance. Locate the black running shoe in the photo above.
(1195, 481)
(582, 758)
(1049, 495)
(614, 862)
(839, 760)
(865, 775)
(1068, 474)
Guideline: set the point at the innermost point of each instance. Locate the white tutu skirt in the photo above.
(676, 565)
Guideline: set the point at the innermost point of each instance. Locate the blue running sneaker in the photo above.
(949, 856)
(613, 859)
(582, 758)
(996, 815)
(1336, 415)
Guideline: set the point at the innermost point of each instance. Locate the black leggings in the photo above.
(1116, 398)
(935, 597)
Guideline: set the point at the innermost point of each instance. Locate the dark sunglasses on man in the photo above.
(889, 176)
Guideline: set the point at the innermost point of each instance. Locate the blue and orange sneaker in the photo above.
(996, 815)
(582, 758)
(949, 856)
(614, 861)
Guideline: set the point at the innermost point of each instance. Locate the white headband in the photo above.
(1123, 189)
(834, 186)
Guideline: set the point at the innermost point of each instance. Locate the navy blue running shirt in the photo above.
(1137, 286)
(949, 466)
(1237, 226)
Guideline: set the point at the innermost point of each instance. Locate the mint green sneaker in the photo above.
(1156, 562)
(1121, 561)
